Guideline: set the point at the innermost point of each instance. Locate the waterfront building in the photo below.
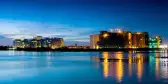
(39, 42)
(94, 41)
(47, 42)
(118, 38)
(140, 40)
(155, 42)
(159, 41)
(25, 43)
(112, 39)
(43, 43)
(128, 39)
(33, 43)
(57, 43)
(17, 43)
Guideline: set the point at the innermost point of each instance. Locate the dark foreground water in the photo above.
(18, 67)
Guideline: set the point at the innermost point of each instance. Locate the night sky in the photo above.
(75, 20)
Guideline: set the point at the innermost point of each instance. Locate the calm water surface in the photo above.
(18, 67)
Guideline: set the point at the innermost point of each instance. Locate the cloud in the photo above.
(28, 29)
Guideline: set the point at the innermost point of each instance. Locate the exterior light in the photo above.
(157, 37)
(105, 35)
(129, 36)
(97, 47)
(120, 31)
(138, 33)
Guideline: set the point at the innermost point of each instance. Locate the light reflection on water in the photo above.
(79, 67)
(105, 64)
(136, 64)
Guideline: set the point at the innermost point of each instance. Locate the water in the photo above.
(19, 67)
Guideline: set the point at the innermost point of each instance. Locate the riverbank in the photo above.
(92, 50)
(84, 50)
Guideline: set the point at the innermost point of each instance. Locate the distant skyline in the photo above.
(75, 20)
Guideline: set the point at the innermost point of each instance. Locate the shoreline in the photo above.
(92, 50)
(84, 50)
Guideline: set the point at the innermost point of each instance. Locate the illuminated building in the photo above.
(39, 42)
(38, 37)
(111, 39)
(116, 38)
(155, 42)
(43, 43)
(26, 43)
(140, 40)
(47, 42)
(33, 43)
(158, 41)
(57, 43)
(152, 43)
(36, 42)
(17, 43)
(94, 41)
(128, 39)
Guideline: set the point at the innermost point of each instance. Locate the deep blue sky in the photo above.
(75, 20)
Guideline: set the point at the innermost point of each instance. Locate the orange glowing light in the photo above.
(105, 64)
(97, 47)
(129, 36)
(119, 67)
(105, 35)
(157, 36)
(139, 67)
(130, 63)
(120, 31)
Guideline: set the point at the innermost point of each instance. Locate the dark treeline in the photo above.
(5, 47)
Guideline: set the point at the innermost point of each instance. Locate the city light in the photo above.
(39, 42)
(163, 46)
(129, 35)
(120, 31)
(105, 35)
(97, 47)
(138, 33)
